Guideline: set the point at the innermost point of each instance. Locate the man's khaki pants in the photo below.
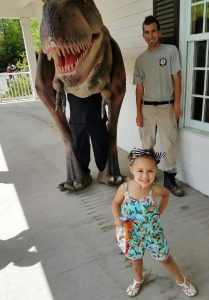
(160, 122)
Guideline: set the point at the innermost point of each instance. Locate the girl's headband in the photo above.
(136, 152)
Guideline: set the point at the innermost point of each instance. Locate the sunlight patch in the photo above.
(22, 275)
(3, 164)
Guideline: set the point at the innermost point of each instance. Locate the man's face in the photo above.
(151, 35)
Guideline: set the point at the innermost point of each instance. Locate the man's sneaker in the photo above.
(171, 185)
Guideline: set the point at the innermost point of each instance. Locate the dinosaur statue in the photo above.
(79, 58)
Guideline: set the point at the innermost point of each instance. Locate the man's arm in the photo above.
(177, 94)
(139, 94)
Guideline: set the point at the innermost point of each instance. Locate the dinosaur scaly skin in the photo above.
(80, 57)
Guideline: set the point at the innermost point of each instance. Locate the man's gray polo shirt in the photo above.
(154, 69)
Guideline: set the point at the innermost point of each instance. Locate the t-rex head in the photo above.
(71, 33)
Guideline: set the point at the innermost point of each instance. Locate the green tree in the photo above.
(11, 41)
(35, 34)
(12, 49)
(22, 63)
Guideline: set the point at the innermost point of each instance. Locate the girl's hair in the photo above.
(136, 152)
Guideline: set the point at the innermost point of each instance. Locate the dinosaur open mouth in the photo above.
(68, 56)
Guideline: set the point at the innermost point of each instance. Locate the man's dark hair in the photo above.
(149, 20)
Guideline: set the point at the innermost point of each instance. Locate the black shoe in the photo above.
(171, 185)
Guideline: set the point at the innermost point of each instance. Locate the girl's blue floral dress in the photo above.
(146, 232)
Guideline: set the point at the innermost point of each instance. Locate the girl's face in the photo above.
(144, 171)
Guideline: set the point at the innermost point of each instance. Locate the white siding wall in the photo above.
(193, 162)
(124, 20)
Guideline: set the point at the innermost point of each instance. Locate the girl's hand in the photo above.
(118, 222)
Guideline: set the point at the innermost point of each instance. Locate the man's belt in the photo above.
(157, 102)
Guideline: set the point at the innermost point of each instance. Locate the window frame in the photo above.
(187, 53)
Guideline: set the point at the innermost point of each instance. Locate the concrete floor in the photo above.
(61, 246)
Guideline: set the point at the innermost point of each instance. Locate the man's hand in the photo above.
(139, 120)
(177, 110)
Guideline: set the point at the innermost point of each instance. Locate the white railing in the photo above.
(15, 86)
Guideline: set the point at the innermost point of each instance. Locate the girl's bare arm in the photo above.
(162, 193)
(116, 205)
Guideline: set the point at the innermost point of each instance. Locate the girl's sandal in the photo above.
(133, 289)
(188, 288)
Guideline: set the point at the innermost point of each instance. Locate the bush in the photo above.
(18, 87)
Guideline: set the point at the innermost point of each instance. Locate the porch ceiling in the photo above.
(20, 8)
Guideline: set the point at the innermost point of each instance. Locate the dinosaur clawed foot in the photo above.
(110, 180)
(75, 186)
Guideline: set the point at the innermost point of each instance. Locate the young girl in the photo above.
(136, 200)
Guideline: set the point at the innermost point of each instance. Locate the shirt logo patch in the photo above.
(163, 62)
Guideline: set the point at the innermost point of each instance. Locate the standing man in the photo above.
(158, 90)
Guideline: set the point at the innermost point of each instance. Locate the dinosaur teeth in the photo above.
(76, 62)
(72, 50)
(53, 53)
(63, 51)
(68, 50)
(77, 49)
(58, 51)
(88, 44)
(62, 55)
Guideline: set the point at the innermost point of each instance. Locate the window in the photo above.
(197, 38)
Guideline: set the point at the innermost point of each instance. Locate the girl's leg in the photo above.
(137, 268)
(134, 288)
(172, 267)
(187, 287)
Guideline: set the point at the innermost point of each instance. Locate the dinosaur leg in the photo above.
(81, 111)
(81, 148)
(77, 178)
(44, 77)
(111, 174)
(86, 121)
(112, 83)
